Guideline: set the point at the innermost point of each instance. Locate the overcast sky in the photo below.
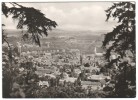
(72, 16)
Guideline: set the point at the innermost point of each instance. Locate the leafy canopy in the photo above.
(34, 20)
(123, 35)
(121, 42)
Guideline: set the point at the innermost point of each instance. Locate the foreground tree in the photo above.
(34, 20)
(121, 42)
(18, 80)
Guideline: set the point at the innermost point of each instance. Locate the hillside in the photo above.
(61, 39)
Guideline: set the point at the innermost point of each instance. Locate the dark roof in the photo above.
(90, 83)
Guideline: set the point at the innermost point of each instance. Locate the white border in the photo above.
(62, 0)
(65, 1)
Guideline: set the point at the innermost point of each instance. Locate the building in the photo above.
(69, 79)
(77, 71)
(98, 52)
(90, 69)
(50, 75)
(43, 83)
(98, 78)
(95, 82)
(91, 85)
(47, 44)
(19, 47)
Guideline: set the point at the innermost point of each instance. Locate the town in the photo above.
(68, 65)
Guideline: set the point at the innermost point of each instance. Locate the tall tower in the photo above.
(19, 47)
(95, 51)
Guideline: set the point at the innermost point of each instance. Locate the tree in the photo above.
(87, 65)
(35, 21)
(36, 24)
(121, 41)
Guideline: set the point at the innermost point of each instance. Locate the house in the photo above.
(64, 75)
(91, 85)
(69, 79)
(50, 75)
(43, 83)
(95, 82)
(41, 71)
(98, 78)
(90, 69)
(77, 71)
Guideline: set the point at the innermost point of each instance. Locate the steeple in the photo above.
(95, 51)
(19, 47)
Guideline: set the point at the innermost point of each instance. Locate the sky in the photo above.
(72, 15)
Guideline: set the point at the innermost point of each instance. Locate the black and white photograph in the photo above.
(73, 49)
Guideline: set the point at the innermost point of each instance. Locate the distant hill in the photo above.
(86, 40)
(58, 32)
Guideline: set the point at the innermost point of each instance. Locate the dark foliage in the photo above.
(121, 41)
(34, 20)
(18, 83)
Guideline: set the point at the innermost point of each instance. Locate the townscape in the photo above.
(68, 63)
(64, 66)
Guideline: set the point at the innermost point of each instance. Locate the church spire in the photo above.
(95, 51)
